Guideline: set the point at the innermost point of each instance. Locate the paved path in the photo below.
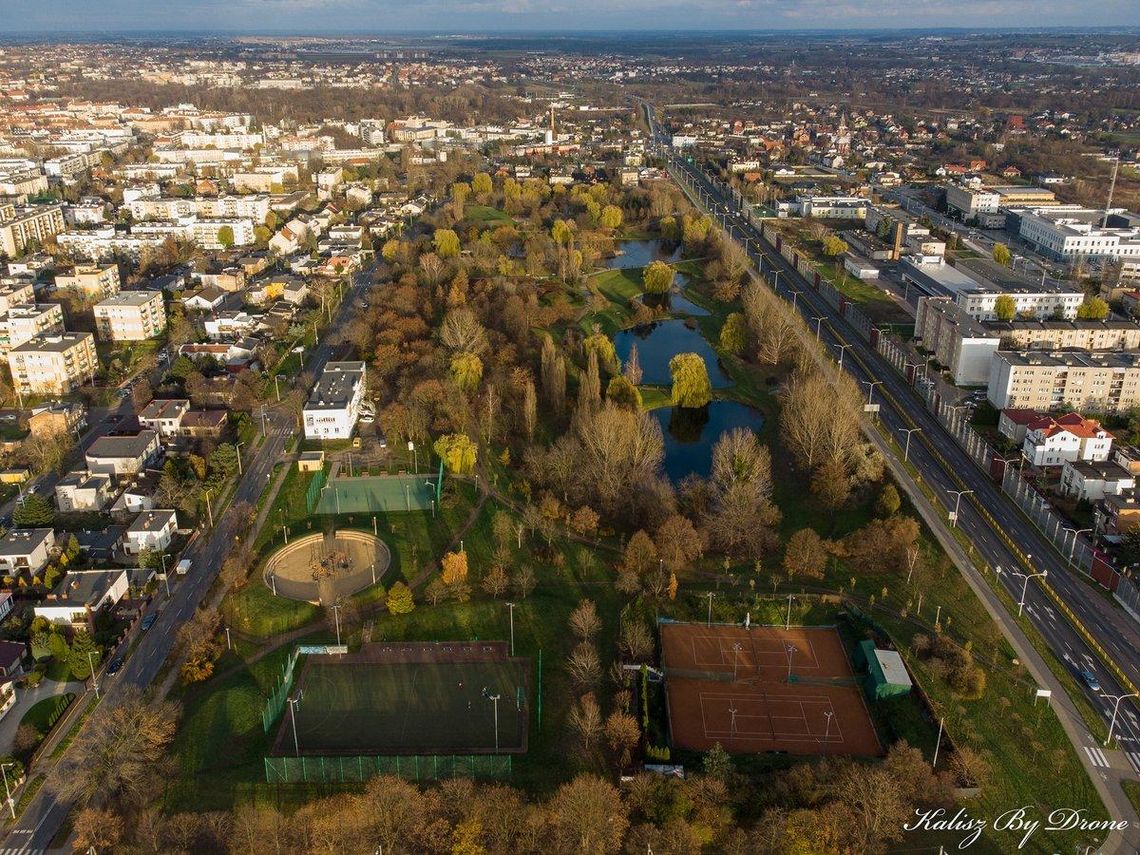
(25, 700)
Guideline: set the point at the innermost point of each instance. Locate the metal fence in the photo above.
(275, 704)
(413, 767)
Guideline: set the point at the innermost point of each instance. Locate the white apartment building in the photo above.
(23, 323)
(15, 292)
(334, 405)
(98, 244)
(130, 316)
(53, 364)
(92, 282)
(151, 530)
(1039, 380)
(252, 207)
(1069, 231)
(205, 232)
(37, 222)
(825, 207)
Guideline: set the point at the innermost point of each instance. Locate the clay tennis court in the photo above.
(730, 684)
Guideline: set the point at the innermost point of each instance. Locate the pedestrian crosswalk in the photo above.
(1097, 757)
(19, 850)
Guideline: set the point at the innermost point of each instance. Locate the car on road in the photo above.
(1090, 679)
(115, 665)
(148, 621)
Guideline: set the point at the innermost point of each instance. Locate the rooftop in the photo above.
(123, 446)
(336, 386)
(21, 541)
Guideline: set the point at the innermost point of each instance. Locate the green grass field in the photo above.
(407, 708)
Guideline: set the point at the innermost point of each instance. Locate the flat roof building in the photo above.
(334, 404)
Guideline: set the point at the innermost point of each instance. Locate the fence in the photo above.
(275, 704)
(313, 494)
(414, 767)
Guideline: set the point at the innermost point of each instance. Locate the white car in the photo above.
(367, 418)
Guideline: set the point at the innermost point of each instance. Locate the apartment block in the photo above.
(53, 364)
(23, 323)
(37, 222)
(130, 316)
(334, 405)
(93, 282)
(1100, 382)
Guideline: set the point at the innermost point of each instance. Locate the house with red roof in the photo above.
(1069, 438)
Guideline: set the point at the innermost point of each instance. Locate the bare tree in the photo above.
(584, 620)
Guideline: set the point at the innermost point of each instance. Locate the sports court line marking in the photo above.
(771, 734)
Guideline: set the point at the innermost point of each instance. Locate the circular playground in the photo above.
(322, 568)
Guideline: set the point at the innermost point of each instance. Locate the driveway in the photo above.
(25, 700)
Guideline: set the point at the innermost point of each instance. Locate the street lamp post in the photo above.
(239, 445)
(842, 352)
(209, 510)
(1076, 532)
(336, 620)
(1116, 699)
(871, 384)
(94, 679)
(957, 505)
(165, 577)
(908, 432)
(818, 323)
(7, 791)
(1025, 577)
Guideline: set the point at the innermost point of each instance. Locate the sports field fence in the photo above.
(275, 704)
(411, 767)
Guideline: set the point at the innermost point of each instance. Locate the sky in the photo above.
(455, 16)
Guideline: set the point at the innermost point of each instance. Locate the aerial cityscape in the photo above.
(474, 427)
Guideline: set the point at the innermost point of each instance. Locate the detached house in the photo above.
(164, 417)
(83, 491)
(1052, 442)
(81, 594)
(151, 530)
(25, 550)
(123, 456)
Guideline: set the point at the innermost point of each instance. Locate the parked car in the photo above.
(115, 665)
(148, 621)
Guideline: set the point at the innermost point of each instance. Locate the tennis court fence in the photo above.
(275, 704)
(693, 674)
(412, 767)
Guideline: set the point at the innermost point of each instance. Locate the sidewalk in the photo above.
(25, 700)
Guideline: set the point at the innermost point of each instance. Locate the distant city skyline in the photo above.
(457, 16)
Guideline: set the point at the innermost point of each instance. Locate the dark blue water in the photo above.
(659, 342)
(638, 253)
(691, 434)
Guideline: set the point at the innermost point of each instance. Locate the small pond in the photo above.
(676, 301)
(691, 434)
(659, 342)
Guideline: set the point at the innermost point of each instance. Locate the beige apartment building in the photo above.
(1043, 381)
(130, 316)
(22, 225)
(53, 364)
(23, 323)
(91, 281)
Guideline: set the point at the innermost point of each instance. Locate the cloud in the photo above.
(565, 15)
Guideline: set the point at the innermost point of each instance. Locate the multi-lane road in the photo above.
(946, 468)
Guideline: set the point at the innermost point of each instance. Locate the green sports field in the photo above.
(407, 708)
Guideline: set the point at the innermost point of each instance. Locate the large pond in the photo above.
(638, 253)
(659, 342)
(691, 434)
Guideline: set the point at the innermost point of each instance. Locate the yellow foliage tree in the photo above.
(455, 568)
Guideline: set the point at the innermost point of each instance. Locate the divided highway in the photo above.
(949, 470)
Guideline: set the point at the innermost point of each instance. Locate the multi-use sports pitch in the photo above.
(764, 688)
(409, 698)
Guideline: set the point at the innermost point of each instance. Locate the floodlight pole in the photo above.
(788, 622)
(229, 645)
(710, 596)
(336, 620)
(293, 715)
(790, 649)
(495, 700)
(511, 606)
(736, 648)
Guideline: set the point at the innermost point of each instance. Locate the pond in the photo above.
(659, 342)
(676, 301)
(638, 253)
(691, 434)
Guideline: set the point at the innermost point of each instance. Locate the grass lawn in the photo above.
(43, 714)
(486, 214)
